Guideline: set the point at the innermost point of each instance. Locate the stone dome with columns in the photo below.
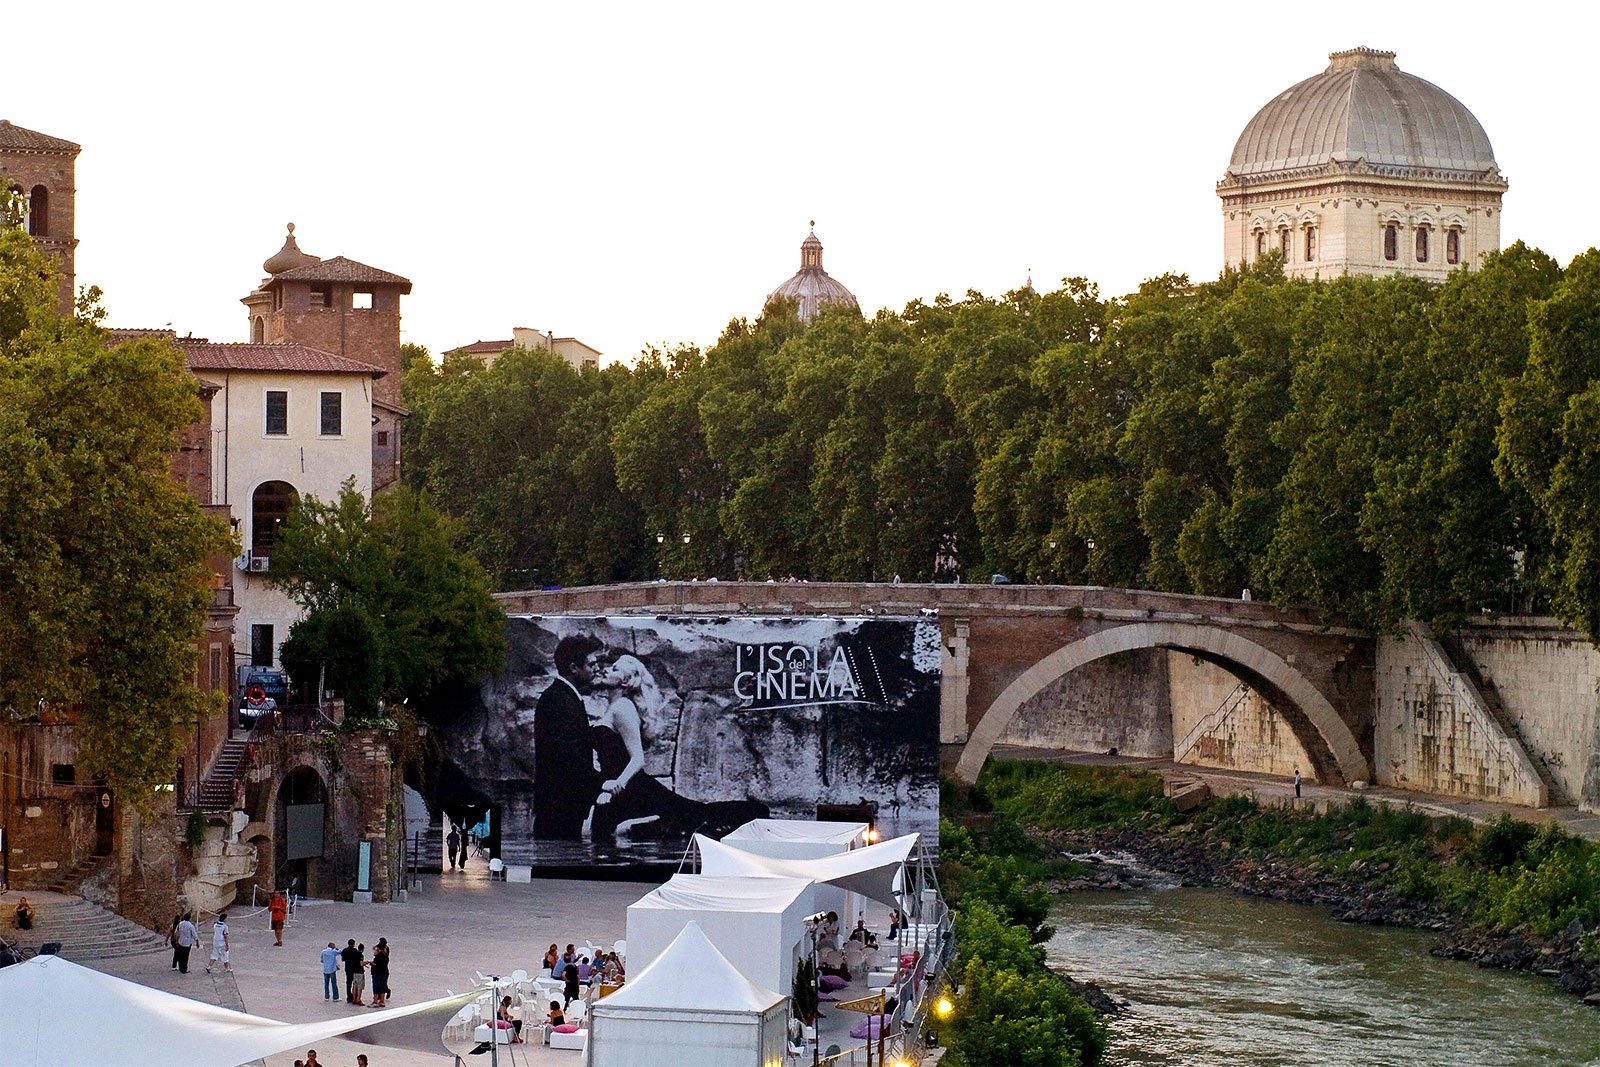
(811, 287)
(1366, 169)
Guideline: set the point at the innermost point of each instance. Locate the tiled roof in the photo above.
(19, 137)
(340, 269)
(483, 348)
(288, 357)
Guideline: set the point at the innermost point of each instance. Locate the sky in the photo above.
(637, 175)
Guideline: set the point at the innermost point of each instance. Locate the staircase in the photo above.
(86, 931)
(1461, 661)
(67, 881)
(1210, 723)
(216, 791)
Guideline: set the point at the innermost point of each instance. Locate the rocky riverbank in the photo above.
(1137, 859)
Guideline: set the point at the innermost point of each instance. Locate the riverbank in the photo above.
(1507, 895)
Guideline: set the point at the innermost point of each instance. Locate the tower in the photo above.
(43, 170)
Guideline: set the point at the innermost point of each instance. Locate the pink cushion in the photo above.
(566, 1028)
(867, 1027)
(832, 983)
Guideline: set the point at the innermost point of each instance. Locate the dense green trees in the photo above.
(1384, 448)
(394, 610)
(104, 582)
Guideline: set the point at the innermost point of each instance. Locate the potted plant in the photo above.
(804, 993)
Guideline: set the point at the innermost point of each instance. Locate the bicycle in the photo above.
(18, 953)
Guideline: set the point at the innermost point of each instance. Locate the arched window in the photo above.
(1391, 241)
(1422, 244)
(1283, 242)
(258, 329)
(1311, 243)
(269, 507)
(39, 212)
(1452, 245)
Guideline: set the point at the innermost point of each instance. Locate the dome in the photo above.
(811, 286)
(1365, 108)
(289, 256)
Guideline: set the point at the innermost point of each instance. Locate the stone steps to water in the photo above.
(86, 931)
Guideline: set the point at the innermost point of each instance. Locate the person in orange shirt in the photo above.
(278, 908)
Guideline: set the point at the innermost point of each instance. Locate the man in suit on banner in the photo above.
(565, 782)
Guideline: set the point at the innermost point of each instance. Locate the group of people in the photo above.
(312, 1061)
(458, 846)
(589, 753)
(576, 972)
(354, 961)
(182, 935)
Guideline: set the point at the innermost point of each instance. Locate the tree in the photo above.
(104, 581)
(395, 610)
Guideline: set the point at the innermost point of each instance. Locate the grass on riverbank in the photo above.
(1505, 876)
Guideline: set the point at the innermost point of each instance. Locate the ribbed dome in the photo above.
(811, 287)
(1364, 107)
(289, 256)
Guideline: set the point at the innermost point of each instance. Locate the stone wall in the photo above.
(1119, 702)
(49, 828)
(1215, 724)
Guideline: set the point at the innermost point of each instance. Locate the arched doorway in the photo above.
(300, 832)
(1328, 741)
(269, 508)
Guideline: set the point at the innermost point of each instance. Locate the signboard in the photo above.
(303, 840)
(611, 741)
(364, 867)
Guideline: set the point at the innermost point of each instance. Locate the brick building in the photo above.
(42, 169)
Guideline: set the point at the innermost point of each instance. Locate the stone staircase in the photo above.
(86, 931)
(216, 791)
(69, 880)
(1463, 662)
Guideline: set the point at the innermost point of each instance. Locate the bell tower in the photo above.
(42, 170)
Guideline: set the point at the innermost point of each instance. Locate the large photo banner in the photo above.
(611, 741)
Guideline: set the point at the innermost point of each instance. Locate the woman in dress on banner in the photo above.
(627, 793)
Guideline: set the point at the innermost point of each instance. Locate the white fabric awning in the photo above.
(843, 834)
(870, 871)
(693, 976)
(56, 1013)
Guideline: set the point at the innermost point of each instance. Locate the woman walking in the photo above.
(380, 973)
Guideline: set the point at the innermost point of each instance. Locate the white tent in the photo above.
(800, 839)
(690, 1006)
(757, 923)
(874, 871)
(56, 1013)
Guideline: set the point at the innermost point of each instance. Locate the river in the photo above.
(1216, 978)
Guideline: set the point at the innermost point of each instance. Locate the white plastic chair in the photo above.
(497, 869)
(621, 949)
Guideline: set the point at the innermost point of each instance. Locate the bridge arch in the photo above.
(1328, 740)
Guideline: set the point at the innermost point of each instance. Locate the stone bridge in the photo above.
(1004, 645)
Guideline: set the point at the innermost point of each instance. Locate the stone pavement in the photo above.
(1271, 789)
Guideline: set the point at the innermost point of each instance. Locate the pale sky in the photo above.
(640, 174)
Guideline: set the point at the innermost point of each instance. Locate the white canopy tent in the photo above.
(690, 1006)
(800, 839)
(874, 871)
(757, 923)
(56, 1013)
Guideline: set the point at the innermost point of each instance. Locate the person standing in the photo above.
(1297, 783)
(358, 984)
(452, 844)
(564, 779)
(278, 909)
(172, 939)
(330, 972)
(220, 944)
(352, 967)
(183, 942)
(380, 973)
(569, 977)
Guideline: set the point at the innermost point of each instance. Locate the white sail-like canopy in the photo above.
(871, 871)
(806, 837)
(56, 1013)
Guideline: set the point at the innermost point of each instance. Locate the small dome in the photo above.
(1365, 108)
(811, 286)
(289, 256)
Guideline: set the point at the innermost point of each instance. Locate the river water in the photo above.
(1215, 978)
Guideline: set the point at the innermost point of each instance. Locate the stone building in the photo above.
(811, 287)
(579, 356)
(1362, 169)
(43, 171)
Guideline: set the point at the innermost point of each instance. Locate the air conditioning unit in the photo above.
(260, 564)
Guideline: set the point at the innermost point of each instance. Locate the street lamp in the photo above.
(1090, 543)
(661, 538)
(685, 538)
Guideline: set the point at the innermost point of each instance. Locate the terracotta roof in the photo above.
(340, 269)
(481, 348)
(292, 357)
(19, 137)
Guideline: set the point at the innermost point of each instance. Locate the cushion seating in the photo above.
(869, 1027)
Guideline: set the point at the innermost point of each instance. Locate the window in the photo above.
(258, 330)
(277, 412)
(39, 212)
(1452, 245)
(1391, 241)
(332, 414)
(1283, 242)
(1261, 243)
(383, 439)
(1422, 244)
(261, 645)
(361, 300)
(63, 774)
(269, 507)
(1311, 243)
(322, 294)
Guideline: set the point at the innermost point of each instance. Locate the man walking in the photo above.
(219, 944)
(185, 937)
(330, 973)
(278, 909)
(452, 843)
(1297, 783)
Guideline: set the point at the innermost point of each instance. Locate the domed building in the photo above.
(811, 287)
(1363, 169)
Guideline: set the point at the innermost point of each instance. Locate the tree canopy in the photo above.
(104, 582)
(1380, 447)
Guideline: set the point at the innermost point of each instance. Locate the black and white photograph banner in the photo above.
(611, 741)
